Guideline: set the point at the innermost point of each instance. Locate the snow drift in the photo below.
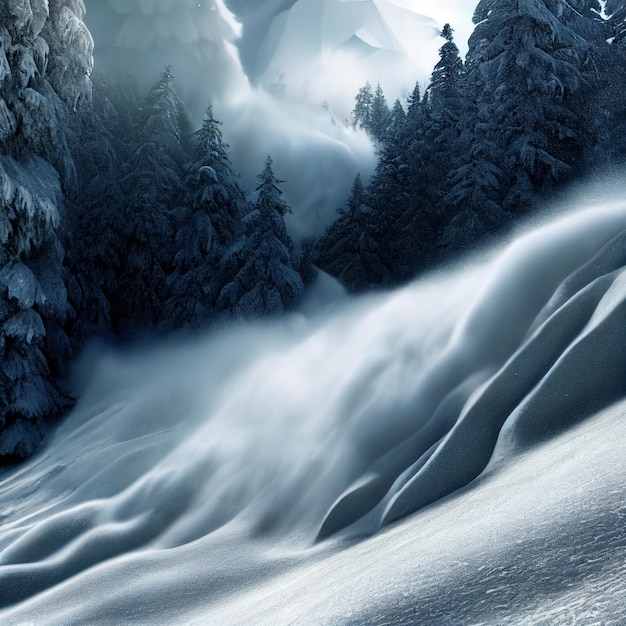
(193, 471)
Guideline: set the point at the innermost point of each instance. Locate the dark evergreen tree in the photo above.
(416, 148)
(214, 178)
(103, 138)
(154, 185)
(206, 230)
(474, 203)
(351, 248)
(267, 282)
(445, 83)
(35, 167)
(379, 116)
(528, 67)
(439, 151)
(396, 126)
(414, 100)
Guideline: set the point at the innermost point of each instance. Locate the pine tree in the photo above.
(528, 65)
(397, 122)
(446, 107)
(445, 82)
(154, 186)
(207, 230)
(35, 167)
(70, 59)
(102, 141)
(361, 114)
(218, 180)
(474, 203)
(267, 282)
(414, 101)
(379, 115)
(352, 247)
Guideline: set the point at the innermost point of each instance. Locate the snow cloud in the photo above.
(282, 75)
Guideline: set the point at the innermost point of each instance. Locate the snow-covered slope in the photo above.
(190, 482)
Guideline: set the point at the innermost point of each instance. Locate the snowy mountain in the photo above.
(314, 45)
(295, 65)
(328, 46)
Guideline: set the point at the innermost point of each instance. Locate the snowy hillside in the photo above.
(190, 482)
(378, 378)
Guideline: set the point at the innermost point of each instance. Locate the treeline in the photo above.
(161, 235)
(116, 218)
(537, 103)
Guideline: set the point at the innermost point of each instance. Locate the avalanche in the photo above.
(191, 481)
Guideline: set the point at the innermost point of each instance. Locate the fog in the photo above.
(282, 76)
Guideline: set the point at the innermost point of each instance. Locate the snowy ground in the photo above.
(540, 542)
(191, 480)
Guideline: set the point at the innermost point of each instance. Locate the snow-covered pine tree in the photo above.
(267, 282)
(379, 115)
(391, 203)
(207, 229)
(353, 245)
(416, 147)
(473, 205)
(411, 177)
(531, 67)
(362, 111)
(103, 139)
(396, 126)
(444, 89)
(215, 180)
(446, 106)
(35, 165)
(71, 49)
(154, 186)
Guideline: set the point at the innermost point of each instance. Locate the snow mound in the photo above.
(542, 348)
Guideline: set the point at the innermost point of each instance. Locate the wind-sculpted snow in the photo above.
(547, 362)
(191, 473)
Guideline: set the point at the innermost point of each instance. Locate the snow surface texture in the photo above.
(282, 78)
(190, 482)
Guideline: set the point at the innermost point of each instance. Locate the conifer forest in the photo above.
(212, 412)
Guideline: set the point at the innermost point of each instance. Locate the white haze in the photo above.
(282, 75)
(191, 472)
